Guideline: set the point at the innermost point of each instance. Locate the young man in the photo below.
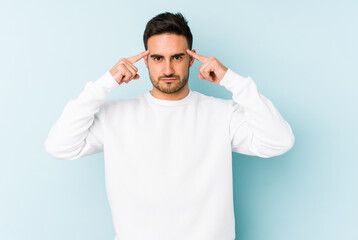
(168, 152)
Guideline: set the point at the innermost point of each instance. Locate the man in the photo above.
(168, 152)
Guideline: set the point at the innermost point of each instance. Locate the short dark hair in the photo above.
(168, 23)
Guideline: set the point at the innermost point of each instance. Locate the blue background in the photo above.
(301, 54)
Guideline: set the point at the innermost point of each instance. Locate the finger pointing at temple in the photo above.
(211, 69)
(198, 57)
(138, 57)
(124, 70)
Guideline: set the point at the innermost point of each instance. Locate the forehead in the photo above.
(167, 43)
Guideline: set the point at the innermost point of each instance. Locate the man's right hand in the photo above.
(124, 70)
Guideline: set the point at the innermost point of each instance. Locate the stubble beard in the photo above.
(171, 87)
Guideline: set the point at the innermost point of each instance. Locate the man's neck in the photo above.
(170, 96)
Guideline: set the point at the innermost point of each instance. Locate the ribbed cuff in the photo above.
(232, 81)
(106, 82)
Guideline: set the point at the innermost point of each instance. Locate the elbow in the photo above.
(286, 145)
(56, 152)
(269, 150)
(289, 141)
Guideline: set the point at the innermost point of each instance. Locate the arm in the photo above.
(256, 126)
(79, 130)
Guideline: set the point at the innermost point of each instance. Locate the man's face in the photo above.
(167, 62)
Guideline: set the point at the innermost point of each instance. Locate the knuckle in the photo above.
(123, 60)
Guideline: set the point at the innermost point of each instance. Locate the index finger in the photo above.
(196, 56)
(136, 58)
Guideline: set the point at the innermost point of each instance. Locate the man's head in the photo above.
(168, 23)
(166, 37)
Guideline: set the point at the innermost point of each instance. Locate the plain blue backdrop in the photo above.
(301, 54)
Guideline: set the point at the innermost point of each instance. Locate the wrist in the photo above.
(223, 72)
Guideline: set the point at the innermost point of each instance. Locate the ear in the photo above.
(191, 59)
(146, 60)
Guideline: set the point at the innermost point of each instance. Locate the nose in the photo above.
(168, 69)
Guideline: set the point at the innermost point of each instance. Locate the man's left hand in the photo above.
(211, 70)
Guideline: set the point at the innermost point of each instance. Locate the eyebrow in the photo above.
(175, 55)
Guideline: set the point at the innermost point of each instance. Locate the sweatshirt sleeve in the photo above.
(256, 126)
(79, 130)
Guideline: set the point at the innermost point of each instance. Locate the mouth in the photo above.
(168, 79)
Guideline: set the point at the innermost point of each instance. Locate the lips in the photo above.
(168, 79)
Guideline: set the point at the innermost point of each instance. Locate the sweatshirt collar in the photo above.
(150, 98)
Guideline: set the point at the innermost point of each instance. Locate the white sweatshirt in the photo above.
(168, 164)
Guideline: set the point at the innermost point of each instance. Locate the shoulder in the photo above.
(214, 101)
(123, 103)
(214, 105)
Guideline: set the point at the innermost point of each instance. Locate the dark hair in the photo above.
(168, 23)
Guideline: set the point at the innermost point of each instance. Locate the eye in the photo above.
(178, 57)
(157, 58)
